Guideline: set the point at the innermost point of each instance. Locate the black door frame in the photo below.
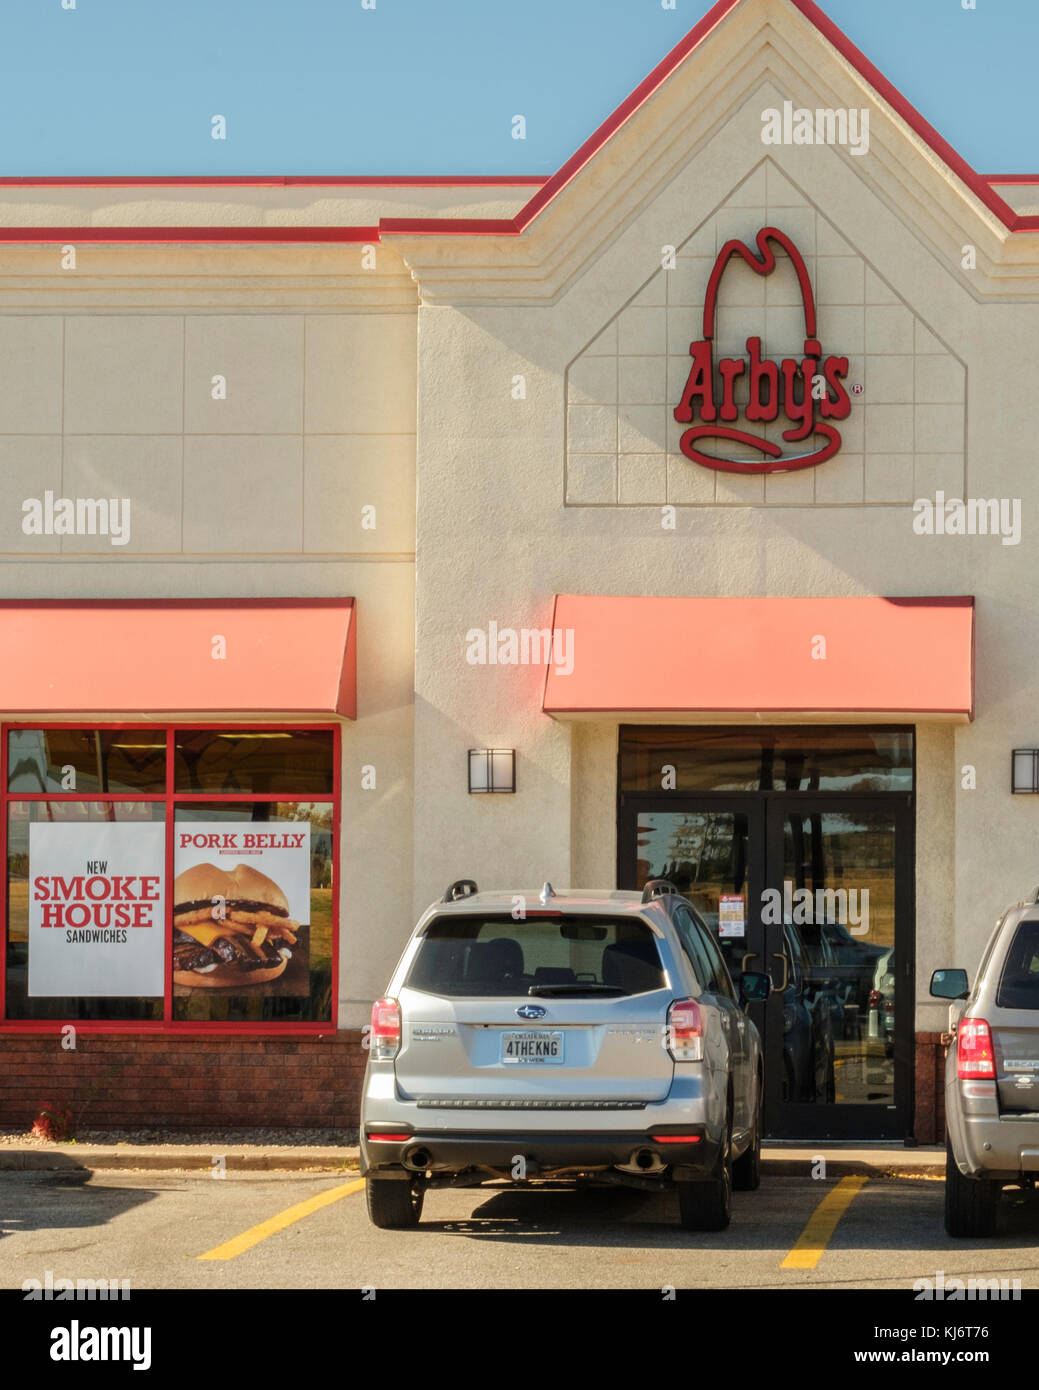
(765, 810)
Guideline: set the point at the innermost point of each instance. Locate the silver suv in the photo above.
(532, 1036)
(992, 1073)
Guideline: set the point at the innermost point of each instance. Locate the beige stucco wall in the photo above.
(260, 494)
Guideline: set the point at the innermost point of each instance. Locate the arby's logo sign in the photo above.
(806, 391)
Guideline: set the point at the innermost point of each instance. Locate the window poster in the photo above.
(732, 915)
(241, 907)
(96, 920)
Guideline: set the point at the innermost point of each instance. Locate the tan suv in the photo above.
(992, 1073)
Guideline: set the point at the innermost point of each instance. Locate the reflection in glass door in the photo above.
(812, 889)
(830, 914)
(706, 854)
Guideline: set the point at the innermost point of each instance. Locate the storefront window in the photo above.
(856, 758)
(179, 876)
(86, 760)
(230, 760)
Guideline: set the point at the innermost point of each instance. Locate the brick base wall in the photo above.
(929, 1126)
(131, 1082)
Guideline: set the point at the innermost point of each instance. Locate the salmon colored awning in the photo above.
(764, 656)
(190, 656)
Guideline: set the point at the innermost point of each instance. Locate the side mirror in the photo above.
(756, 986)
(950, 984)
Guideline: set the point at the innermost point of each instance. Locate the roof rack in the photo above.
(461, 888)
(658, 888)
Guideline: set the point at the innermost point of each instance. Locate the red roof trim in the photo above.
(181, 235)
(624, 112)
(549, 188)
(277, 181)
(453, 226)
(978, 184)
(906, 110)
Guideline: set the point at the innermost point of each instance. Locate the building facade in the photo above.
(697, 476)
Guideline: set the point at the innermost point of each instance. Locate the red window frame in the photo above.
(170, 1027)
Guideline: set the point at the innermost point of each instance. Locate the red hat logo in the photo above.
(808, 392)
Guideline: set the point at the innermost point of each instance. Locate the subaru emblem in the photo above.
(531, 1011)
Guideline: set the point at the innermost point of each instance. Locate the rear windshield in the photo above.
(1019, 982)
(497, 956)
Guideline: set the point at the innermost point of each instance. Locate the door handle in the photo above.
(751, 955)
(781, 955)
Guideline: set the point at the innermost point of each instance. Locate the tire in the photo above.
(393, 1205)
(746, 1171)
(707, 1205)
(971, 1204)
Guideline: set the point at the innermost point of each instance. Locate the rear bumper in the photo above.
(987, 1142)
(453, 1151)
(1002, 1147)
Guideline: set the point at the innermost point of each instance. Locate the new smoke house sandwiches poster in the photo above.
(241, 906)
(96, 920)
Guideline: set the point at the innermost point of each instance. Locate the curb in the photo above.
(851, 1167)
(36, 1160)
(345, 1160)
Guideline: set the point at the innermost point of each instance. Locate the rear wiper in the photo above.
(550, 991)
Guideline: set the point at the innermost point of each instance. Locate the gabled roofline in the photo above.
(548, 189)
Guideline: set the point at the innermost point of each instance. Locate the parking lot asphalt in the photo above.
(311, 1231)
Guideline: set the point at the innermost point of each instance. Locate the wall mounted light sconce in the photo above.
(1024, 770)
(492, 769)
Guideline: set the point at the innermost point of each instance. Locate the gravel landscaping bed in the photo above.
(204, 1138)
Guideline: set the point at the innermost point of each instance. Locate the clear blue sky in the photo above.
(430, 86)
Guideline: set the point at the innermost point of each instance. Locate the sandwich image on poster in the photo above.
(241, 907)
(96, 923)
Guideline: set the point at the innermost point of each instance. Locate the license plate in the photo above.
(536, 1046)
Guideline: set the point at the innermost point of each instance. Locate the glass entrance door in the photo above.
(815, 889)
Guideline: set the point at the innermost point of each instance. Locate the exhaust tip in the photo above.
(417, 1159)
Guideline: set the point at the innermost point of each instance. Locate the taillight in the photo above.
(685, 1031)
(384, 1040)
(974, 1056)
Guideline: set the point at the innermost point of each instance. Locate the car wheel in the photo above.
(393, 1205)
(707, 1205)
(971, 1204)
(746, 1171)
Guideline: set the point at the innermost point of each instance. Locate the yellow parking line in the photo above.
(288, 1217)
(822, 1223)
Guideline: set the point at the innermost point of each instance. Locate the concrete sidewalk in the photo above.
(873, 1160)
(876, 1161)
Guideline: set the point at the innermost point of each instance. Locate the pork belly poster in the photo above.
(241, 906)
(96, 909)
